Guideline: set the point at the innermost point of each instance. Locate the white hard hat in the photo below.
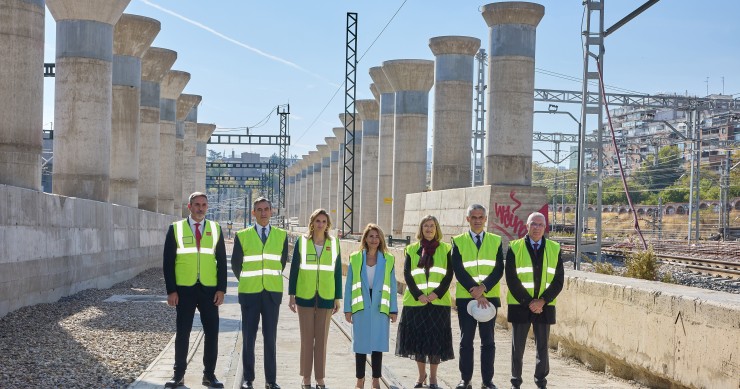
(481, 314)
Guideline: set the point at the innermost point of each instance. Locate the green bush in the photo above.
(642, 264)
(604, 268)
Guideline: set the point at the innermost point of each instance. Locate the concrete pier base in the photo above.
(334, 145)
(368, 113)
(325, 156)
(204, 133)
(185, 142)
(21, 92)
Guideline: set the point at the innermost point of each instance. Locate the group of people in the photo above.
(195, 276)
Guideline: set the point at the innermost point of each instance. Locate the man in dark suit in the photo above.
(195, 275)
(259, 257)
(534, 275)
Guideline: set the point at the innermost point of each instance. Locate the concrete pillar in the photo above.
(297, 191)
(189, 139)
(304, 190)
(171, 87)
(289, 191)
(387, 103)
(132, 36)
(154, 65)
(315, 159)
(82, 97)
(513, 29)
(204, 133)
(339, 216)
(324, 157)
(411, 79)
(186, 103)
(374, 91)
(357, 176)
(21, 92)
(368, 112)
(334, 145)
(453, 110)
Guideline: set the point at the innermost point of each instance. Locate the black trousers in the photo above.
(190, 298)
(376, 361)
(519, 333)
(254, 306)
(468, 326)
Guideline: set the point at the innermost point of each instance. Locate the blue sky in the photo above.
(247, 57)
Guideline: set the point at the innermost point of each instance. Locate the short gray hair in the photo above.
(259, 200)
(196, 194)
(534, 215)
(473, 207)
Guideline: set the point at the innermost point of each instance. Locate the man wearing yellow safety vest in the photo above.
(477, 258)
(259, 257)
(194, 268)
(534, 275)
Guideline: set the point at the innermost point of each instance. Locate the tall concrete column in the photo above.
(155, 63)
(190, 138)
(368, 112)
(171, 87)
(289, 191)
(21, 92)
(330, 167)
(132, 36)
(204, 134)
(411, 79)
(453, 107)
(334, 145)
(357, 176)
(513, 29)
(387, 105)
(374, 91)
(338, 217)
(82, 97)
(305, 166)
(315, 159)
(186, 103)
(298, 191)
(325, 157)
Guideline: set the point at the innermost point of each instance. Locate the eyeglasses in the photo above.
(538, 225)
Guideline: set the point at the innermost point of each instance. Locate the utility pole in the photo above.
(479, 133)
(724, 194)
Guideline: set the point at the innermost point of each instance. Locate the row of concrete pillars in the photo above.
(124, 132)
(391, 135)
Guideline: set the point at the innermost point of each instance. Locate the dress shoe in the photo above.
(434, 386)
(247, 385)
(272, 386)
(177, 380)
(489, 385)
(211, 381)
(420, 384)
(464, 385)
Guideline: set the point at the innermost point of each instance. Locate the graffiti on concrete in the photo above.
(507, 222)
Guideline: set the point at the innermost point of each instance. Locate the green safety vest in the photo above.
(478, 263)
(317, 274)
(261, 266)
(385, 298)
(524, 267)
(192, 265)
(436, 273)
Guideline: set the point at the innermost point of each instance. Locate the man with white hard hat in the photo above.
(534, 275)
(478, 260)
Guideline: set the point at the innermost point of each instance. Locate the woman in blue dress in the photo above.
(370, 301)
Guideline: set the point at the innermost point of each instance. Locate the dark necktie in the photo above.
(477, 241)
(197, 235)
(264, 234)
(536, 247)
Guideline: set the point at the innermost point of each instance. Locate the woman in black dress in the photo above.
(425, 331)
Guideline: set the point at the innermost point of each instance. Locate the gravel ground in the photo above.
(82, 342)
(679, 275)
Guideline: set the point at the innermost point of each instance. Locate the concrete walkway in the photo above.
(399, 373)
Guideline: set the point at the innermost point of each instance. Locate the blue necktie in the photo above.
(264, 234)
(477, 241)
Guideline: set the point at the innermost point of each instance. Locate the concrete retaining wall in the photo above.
(53, 246)
(662, 335)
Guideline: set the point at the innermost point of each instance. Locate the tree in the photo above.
(658, 173)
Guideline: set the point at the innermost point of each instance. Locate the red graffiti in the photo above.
(508, 223)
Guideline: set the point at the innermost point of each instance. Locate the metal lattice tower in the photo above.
(479, 133)
(349, 126)
(593, 56)
(284, 114)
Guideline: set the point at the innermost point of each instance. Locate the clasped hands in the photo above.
(427, 298)
(536, 305)
(478, 293)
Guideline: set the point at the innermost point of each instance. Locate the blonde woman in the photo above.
(425, 330)
(370, 302)
(315, 288)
